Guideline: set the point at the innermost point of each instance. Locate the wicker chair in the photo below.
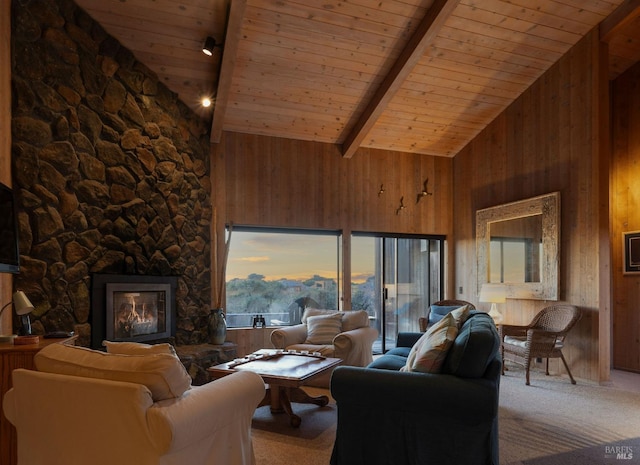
(542, 338)
(424, 321)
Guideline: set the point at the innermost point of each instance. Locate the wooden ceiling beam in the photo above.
(616, 21)
(230, 51)
(425, 33)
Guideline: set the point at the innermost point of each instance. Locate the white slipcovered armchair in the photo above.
(344, 335)
(85, 406)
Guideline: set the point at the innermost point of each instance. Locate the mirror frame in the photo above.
(549, 207)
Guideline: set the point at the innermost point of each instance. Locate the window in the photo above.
(395, 279)
(277, 273)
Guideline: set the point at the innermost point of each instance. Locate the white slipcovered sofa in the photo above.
(134, 407)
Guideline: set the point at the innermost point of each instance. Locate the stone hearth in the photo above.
(197, 358)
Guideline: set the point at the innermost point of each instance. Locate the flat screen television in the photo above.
(9, 252)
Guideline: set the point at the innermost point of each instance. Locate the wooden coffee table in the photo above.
(285, 372)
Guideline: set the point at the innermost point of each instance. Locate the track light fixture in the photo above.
(209, 45)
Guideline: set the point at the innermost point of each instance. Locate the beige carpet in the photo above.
(551, 422)
(275, 442)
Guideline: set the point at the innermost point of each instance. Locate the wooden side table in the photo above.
(12, 357)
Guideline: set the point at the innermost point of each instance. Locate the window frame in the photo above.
(337, 234)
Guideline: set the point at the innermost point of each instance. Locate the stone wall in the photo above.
(110, 169)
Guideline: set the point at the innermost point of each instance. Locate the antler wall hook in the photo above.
(425, 190)
(401, 207)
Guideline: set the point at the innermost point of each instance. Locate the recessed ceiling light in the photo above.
(206, 102)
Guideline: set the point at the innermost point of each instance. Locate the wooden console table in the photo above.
(12, 357)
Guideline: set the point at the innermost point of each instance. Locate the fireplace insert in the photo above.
(132, 308)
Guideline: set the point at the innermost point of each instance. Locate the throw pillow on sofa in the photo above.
(428, 354)
(162, 374)
(321, 329)
(460, 315)
(437, 312)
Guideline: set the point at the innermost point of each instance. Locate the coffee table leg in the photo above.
(300, 396)
(275, 399)
(279, 399)
(285, 402)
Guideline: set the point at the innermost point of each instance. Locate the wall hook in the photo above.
(425, 191)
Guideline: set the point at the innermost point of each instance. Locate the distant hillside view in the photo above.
(282, 301)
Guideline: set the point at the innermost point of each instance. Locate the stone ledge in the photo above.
(197, 358)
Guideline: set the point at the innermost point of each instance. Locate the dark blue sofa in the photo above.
(391, 417)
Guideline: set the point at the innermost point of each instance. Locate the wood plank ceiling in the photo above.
(421, 76)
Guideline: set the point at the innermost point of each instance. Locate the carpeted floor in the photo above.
(550, 422)
(275, 442)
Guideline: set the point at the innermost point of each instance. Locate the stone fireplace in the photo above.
(132, 308)
(111, 173)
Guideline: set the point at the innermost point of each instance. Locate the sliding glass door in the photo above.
(406, 275)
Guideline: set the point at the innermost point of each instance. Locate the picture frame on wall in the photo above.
(631, 252)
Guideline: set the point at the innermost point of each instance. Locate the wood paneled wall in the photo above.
(549, 140)
(249, 340)
(269, 181)
(625, 214)
(5, 140)
(294, 183)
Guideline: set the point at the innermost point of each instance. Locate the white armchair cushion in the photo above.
(516, 341)
(321, 329)
(315, 312)
(137, 348)
(163, 374)
(353, 319)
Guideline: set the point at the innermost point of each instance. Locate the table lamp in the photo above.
(23, 307)
(494, 295)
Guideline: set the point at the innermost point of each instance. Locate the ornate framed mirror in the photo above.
(518, 247)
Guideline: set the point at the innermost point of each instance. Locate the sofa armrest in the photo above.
(283, 337)
(410, 392)
(69, 416)
(406, 339)
(176, 423)
(355, 347)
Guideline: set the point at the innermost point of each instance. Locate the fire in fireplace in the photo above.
(136, 311)
(132, 308)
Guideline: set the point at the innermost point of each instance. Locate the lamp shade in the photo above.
(493, 294)
(21, 303)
